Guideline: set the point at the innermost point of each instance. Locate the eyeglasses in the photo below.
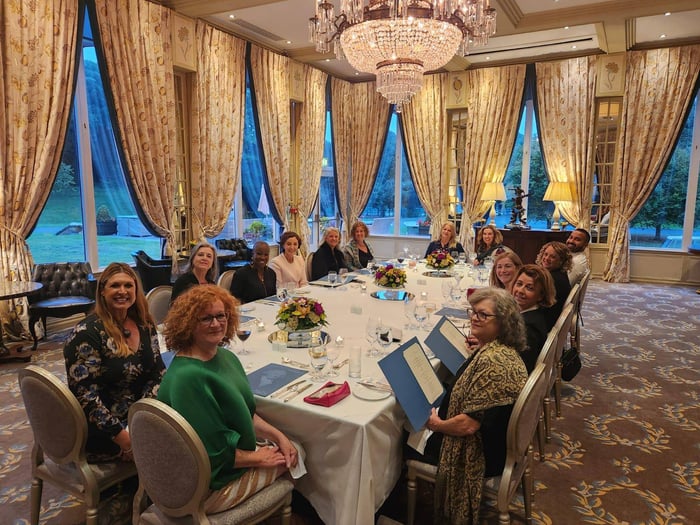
(208, 320)
(480, 314)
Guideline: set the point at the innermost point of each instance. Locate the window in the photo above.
(526, 169)
(669, 218)
(391, 212)
(90, 179)
(606, 134)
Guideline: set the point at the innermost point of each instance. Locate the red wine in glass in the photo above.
(243, 335)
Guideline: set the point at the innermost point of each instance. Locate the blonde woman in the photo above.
(328, 257)
(505, 267)
(202, 268)
(447, 242)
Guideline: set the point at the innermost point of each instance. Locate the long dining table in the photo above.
(353, 448)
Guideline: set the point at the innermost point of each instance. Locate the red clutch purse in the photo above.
(329, 394)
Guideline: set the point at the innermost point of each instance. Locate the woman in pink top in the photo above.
(289, 266)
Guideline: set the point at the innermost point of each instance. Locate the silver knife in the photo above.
(295, 394)
(287, 389)
(376, 386)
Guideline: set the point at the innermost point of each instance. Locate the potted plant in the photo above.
(106, 223)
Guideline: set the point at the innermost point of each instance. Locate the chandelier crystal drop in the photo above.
(399, 40)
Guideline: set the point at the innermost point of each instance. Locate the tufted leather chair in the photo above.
(68, 289)
(153, 272)
(243, 253)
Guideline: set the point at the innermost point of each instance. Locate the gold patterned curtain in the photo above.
(270, 74)
(136, 43)
(658, 89)
(494, 97)
(360, 117)
(312, 138)
(218, 104)
(424, 121)
(37, 66)
(566, 111)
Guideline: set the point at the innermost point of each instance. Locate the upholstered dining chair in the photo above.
(578, 304)
(563, 336)
(60, 432)
(309, 265)
(174, 473)
(225, 279)
(547, 357)
(159, 302)
(517, 472)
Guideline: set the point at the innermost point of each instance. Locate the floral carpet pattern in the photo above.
(625, 451)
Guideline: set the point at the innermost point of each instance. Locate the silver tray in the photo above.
(299, 341)
(391, 295)
(438, 273)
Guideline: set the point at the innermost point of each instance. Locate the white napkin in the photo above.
(300, 469)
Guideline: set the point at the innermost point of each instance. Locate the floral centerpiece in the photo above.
(390, 276)
(301, 313)
(439, 260)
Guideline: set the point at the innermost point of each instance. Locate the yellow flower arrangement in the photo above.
(390, 276)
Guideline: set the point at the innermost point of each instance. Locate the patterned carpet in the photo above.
(625, 451)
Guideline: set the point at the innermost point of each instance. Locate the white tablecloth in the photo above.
(354, 449)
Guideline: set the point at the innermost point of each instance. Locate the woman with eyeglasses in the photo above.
(207, 385)
(533, 290)
(555, 257)
(470, 426)
(112, 360)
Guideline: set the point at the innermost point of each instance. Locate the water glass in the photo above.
(332, 352)
(384, 338)
(355, 364)
(421, 314)
(409, 306)
(447, 286)
(462, 258)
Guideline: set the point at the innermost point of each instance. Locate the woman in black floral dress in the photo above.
(112, 360)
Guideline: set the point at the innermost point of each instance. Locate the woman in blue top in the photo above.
(447, 241)
(207, 385)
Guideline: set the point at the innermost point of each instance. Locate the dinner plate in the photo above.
(368, 394)
(391, 295)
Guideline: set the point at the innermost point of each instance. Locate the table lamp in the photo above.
(557, 192)
(493, 191)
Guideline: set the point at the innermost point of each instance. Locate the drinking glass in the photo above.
(421, 314)
(291, 287)
(384, 338)
(332, 353)
(446, 287)
(332, 277)
(282, 293)
(341, 275)
(243, 333)
(409, 305)
(462, 258)
(430, 308)
(412, 262)
(456, 295)
(371, 333)
(319, 358)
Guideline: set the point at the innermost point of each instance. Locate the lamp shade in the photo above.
(493, 191)
(558, 191)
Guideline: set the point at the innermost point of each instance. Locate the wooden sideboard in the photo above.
(527, 243)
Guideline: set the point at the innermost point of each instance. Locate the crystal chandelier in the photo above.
(399, 40)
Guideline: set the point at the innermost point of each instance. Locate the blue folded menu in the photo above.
(448, 343)
(413, 380)
(271, 378)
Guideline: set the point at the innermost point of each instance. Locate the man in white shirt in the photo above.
(577, 242)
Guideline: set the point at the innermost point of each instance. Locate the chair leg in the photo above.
(541, 436)
(32, 331)
(557, 390)
(37, 485)
(91, 516)
(411, 499)
(548, 418)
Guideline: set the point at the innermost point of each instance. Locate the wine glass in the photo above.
(319, 358)
(456, 295)
(342, 273)
(412, 262)
(371, 333)
(332, 353)
(243, 333)
(384, 337)
(421, 314)
(446, 287)
(332, 277)
(462, 258)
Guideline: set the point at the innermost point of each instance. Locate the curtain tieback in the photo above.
(18, 236)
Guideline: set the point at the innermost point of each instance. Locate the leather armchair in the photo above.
(68, 289)
(153, 272)
(242, 256)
